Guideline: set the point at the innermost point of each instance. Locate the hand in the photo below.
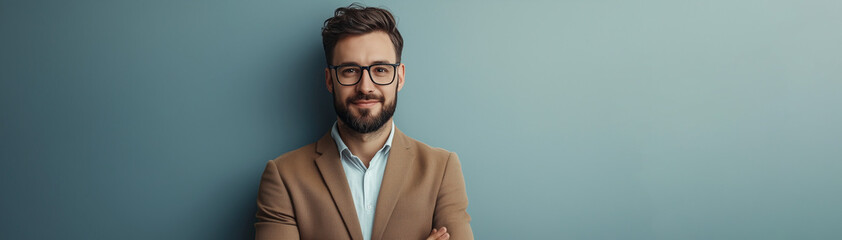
(439, 234)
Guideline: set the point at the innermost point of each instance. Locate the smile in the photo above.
(365, 103)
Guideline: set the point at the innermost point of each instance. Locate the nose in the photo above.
(366, 85)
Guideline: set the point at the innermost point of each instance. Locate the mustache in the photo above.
(363, 96)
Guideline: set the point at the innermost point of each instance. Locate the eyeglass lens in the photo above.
(380, 74)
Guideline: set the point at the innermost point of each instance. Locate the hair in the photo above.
(357, 19)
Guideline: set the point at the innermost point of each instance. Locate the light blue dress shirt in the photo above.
(364, 182)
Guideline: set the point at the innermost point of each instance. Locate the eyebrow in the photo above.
(356, 63)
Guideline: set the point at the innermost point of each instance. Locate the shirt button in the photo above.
(368, 207)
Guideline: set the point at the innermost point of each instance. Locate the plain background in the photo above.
(572, 119)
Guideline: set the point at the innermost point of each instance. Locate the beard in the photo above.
(366, 122)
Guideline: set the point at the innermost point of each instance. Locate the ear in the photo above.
(328, 81)
(401, 76)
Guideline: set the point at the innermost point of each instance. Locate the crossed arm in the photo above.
(276, 217)
(452, 203)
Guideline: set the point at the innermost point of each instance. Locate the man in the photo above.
(364, 179)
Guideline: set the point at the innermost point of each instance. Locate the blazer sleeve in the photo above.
(275, 215)
(452, 202)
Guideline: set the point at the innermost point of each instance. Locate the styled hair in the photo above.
(357, 19)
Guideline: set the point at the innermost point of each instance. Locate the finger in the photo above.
(434, 235)
(440, 232)
(445, 236)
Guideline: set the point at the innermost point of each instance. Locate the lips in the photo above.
(365, 103)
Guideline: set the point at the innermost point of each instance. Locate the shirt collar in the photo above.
(340, 145)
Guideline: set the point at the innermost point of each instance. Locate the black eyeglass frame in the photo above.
(364, 68)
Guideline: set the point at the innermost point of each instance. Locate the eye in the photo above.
(349, 70)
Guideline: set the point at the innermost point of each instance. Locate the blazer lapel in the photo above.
(399, 161)
(330, 167)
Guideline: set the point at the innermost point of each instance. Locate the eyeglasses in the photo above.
(351, 74)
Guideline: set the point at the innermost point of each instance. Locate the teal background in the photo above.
(572, 119)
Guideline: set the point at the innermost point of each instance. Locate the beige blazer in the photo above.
(304, 194)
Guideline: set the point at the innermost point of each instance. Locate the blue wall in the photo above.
(573, 119)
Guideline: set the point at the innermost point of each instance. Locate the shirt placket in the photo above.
(366, 186)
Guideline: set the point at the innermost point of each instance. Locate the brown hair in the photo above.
(357, 20)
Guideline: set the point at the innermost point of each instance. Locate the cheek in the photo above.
(343, 94)
(387, 91)
(390, 95)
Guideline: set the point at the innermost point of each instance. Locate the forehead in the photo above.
(364, 49)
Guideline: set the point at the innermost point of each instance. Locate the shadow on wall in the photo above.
(305, 107)
(303, 110)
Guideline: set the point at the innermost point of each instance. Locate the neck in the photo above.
(365, 145)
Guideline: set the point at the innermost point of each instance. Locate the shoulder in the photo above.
(296, 158)
(427, 152)
(433, 161)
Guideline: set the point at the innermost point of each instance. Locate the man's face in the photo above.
(365, 106)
